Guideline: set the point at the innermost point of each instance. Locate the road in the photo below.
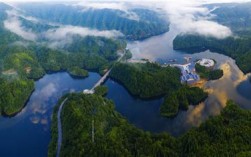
(60, 127)
(59, 143)
(104, 77)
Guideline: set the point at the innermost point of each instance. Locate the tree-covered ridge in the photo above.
(22, 62)
(237, 16)
(90, 53)
(3, 8)
(237, 48)
(151, 80)
(14, 94)
(228, 134)
(99, 46)
(35, 26)
(147, 80)
(114, 136)
(148, 23)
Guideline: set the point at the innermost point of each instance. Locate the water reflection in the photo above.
(234, 84)
(28, 133)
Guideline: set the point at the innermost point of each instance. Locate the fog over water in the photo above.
(29, 130)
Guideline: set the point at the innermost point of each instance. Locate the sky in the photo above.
(188, 1)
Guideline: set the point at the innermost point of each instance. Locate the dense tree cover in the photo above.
(77, 72)
(228, 134)
(237, 48)
(99, 46)
(36, 27)
(17, 67)
(181, 99)
(139, 24)
(14, 94)
(90, 53)
(21, 62)
(147, 80)
(207, 73)
(113, 135)
(101, 90)
(151, 80)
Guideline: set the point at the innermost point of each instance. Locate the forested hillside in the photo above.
(151, 80)
(20, 65)
(146, 23)
(237, 16)
(228, 134)
(22, 62)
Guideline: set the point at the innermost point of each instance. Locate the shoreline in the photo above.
(11, 115)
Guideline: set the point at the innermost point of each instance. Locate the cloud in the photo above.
(103, 5)
(124, 7)
(57, 36)
(64, 34)
(13, 24)
(186, 16)
(194, 18)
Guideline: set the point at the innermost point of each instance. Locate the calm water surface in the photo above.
(233, 85)
(28, 133)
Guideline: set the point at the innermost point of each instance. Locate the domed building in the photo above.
(209, 63)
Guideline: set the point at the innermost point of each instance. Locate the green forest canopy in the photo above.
(228, 134)
(151, 80)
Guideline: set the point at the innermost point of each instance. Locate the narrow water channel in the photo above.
(28, 133)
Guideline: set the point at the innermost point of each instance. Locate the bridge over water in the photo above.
(103, 78)
(87, 91)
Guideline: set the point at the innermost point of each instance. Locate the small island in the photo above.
(77, 72)
(205, 68)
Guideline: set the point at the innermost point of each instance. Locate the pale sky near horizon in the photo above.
(202, 1)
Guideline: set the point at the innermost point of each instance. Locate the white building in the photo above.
(87, 91)
(206, 62)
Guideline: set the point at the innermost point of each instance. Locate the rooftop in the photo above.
(206, 62)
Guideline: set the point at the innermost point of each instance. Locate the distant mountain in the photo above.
(237, 16)
(3, 8)
(138, 24)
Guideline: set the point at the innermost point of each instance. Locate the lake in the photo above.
(28, 133)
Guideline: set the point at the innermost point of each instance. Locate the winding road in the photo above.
(59, 142)
(60, 127)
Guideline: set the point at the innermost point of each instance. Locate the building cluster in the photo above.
(188, 74)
